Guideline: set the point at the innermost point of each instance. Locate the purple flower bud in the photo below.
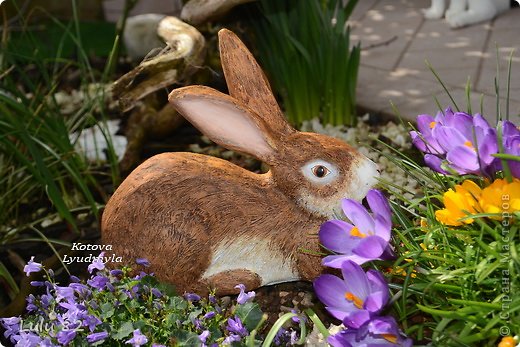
(95, 337)
(191, 297)
(37, 283)
(209, 315)
(156, 292)
(116, 272)
(142, 261)
(32, 267)
(74, 279)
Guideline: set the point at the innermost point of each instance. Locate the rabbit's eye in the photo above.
(320, 171)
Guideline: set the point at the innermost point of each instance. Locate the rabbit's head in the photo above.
(314, 170)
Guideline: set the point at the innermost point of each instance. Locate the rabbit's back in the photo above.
(174, 204)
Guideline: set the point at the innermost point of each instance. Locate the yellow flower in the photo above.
(507, 341)
(501, 197)
(460, 203)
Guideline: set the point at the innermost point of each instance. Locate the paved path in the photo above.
(397, 40)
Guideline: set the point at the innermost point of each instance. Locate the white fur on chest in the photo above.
(255, 255)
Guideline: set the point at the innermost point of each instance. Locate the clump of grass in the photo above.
(305, 48)
(454, 282)
(42, 178)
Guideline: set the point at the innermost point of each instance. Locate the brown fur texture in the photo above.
(203, 222)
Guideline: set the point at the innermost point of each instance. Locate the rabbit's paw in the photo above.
(225, 282)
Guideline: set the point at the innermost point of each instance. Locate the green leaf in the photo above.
(250, 314)
(124, 330)
(187, 339)
(107, 310)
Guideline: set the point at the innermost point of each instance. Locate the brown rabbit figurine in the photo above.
(203, 222)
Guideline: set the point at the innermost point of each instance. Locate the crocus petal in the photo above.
(463, 159)
(331, 291)
(335, 261)
(418, 141)
(335, 235)
(449, 137)
(358, 215)
(424, 123)
(355, 280)
(370, 247)
(379, 205)
(376, 301)
(487, 147)
(434, 163)
(356, 318)
(481, 122)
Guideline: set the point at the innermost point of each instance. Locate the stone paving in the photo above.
(396, 40)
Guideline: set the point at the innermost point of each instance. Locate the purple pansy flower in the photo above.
(381, 331)
(95, 337)
(244, 297)
(462, 142)
(97, 263)
(138, 339)
(31, 267)
(356, 298)
(364, 241)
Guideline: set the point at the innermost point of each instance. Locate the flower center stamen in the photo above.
(354, 299)
(390, 338)
(432, 125)
(356, 233)
(469, 144)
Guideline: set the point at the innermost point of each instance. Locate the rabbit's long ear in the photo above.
(225, 121)
(247, 82)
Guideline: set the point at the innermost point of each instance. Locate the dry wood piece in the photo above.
(184, 53)
(200, 11)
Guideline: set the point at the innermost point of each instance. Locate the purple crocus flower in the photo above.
(95, 337)
(511, 142)
(379, 332)
(142, 261)
(244, 297)
(235, 326)
(138, 339)
(97, 263)
(31, 267)
(462, 142)
(364, 241)
(356, 298)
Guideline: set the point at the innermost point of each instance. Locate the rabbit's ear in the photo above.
(224, 121)
(247, 82)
